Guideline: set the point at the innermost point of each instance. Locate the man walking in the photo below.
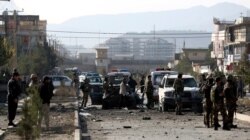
(14, 90)
(85, 87)
(179, 88)
(46, 93)
(149, 89)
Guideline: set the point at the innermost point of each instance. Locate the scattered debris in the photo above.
(177, 137)
(166, 133)
(127, 127)
(146, 118)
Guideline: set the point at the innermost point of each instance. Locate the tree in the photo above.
(6, 52)
(40, 61)
(243, 68)
(184, 65)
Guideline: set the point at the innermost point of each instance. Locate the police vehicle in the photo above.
(191, 97)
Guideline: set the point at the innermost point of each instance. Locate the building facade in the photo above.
(24, 31)
(231, 40)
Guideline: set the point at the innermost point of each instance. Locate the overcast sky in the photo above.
(57, 11)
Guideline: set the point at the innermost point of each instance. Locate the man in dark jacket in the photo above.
(46, 93)
(14, 90)
(132, 84)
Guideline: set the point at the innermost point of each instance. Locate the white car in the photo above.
(191, 97)
(156, 77)
(60, 80)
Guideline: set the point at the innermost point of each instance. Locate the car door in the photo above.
(161, 90)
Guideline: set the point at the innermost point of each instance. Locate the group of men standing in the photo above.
(44, 90)
(220, 96)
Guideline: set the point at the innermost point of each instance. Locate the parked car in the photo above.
(60, 80)
(191, 98)
(113, 99)
(156, 77)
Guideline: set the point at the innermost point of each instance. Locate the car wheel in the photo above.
(159, 107)
(164, 107)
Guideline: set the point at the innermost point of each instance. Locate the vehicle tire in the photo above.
(159, 108)
(164, 107)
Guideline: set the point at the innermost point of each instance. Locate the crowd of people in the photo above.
(221, 95)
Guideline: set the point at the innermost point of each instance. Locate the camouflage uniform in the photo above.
(149, 89)
(178, 87)
(85, 87)
(217, 98)
(230, 91)
(208, 103)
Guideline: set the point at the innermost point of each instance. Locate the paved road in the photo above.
(151, 124)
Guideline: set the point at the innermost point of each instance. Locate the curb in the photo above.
(77, 135)
(242, 117)
(2, 134)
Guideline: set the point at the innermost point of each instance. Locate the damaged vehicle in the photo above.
(112, 100)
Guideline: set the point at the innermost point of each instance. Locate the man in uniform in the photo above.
(149, 89)
(217, 97)
(208, 103)
(85, 87)
(230, 91)
(178, 87)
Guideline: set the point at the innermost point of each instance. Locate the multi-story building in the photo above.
(24, 31)
(140, 49)
(237, 42)
(230, 41)
(139, 54)
(218, 40)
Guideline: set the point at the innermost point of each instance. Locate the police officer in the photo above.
(149, 89)
(230, 91)
(85, 87)
(14, 90)
(105, 87)
(208, 103)
(178, 87)
(217, 97)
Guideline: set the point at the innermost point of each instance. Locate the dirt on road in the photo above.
(148, 125)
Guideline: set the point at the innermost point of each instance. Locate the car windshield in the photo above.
(157, 77)
(117, 79)
(95, 80)
(188, 82)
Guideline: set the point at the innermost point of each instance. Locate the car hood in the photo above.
(185, 89)
(96, 84)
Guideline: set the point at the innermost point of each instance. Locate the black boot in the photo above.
(226, 127)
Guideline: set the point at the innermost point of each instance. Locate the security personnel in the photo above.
(149, 89)
(179, 88)
(14, 90)
(208, 103)
(230, 91)
(86, 88)
(217, 97)
(105, 87)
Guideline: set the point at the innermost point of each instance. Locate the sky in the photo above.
(58, 11)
